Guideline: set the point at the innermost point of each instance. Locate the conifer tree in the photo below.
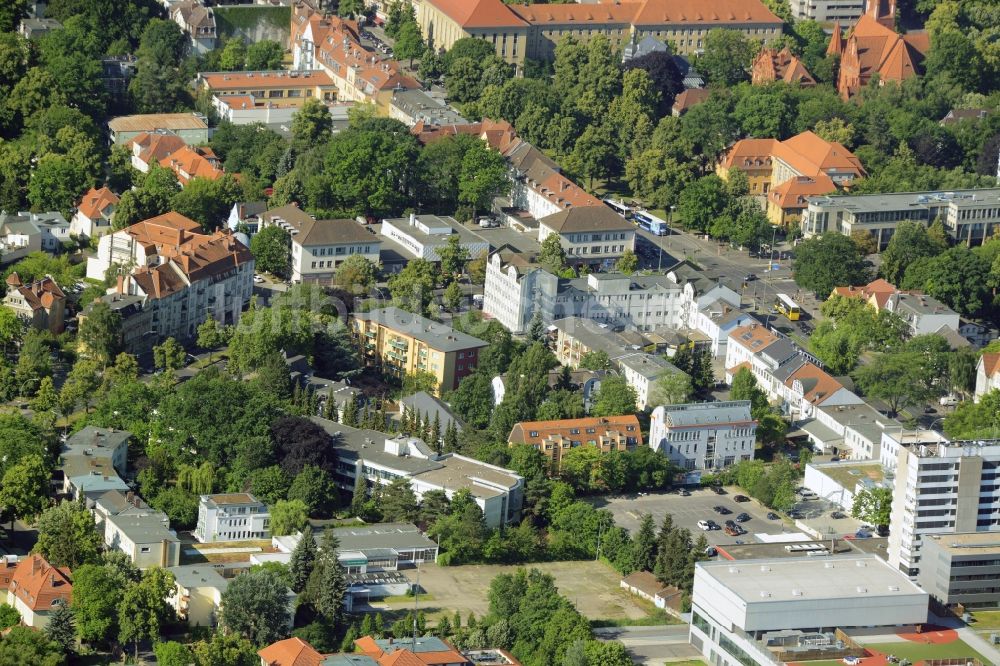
(303, 560)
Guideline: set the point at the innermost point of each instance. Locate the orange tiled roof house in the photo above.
(42, 304)
(36, 587)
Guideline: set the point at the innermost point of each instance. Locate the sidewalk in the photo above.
(974, 640)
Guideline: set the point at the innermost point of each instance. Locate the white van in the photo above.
(948, 401)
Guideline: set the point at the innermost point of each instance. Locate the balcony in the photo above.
(400, 344)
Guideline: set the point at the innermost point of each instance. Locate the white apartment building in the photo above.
(853, 430)
(232, 517)
(591, 235)
(942, 488)
(94, 213)
(146, 538)
(987, 374)
(516, 288)
(642, 371)
(828, 11)
(318, 247)
(704, 435)
(969, 216)
(744, 612)
(924, 314)
(197, 596)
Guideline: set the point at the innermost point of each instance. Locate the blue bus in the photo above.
(650, 223)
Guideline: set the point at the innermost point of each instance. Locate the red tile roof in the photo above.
(688, 98)
(810, 155)
(40, 294)
(229, 81)
(155, 146)
(188, 163)
(522, 432)
(96, 201)
(873, 48)
(817, 385)
(717, 13)
(773, 65)
(38, 584)
(290, 652)
(991, 363)
(749, 154)
(578, 14)
(479, 13)
(792, 194)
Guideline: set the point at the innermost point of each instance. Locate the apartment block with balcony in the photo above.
(197, 597)
(941, 488)
(704, 435)
(555, 438)
(402, 343)
(232, 517)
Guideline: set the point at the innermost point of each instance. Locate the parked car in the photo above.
(704, 525)
(771, 515)
(795, 514)
(718, 490)
(258, 279)
(732, 531)
(743, 517)
(712, 525)
(741, 498)
(948, 401)
(838, 515)
(711, 551)
(730, 523)
(721, 510)
(683, 492)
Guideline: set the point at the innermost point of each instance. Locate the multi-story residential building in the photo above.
(769, 162)
(873, 50)
(555, 438)
(704, 435)
(591, 236)
(245, 216)
(924, 314)
(403, 343)
(961, 569)
(138, 334)
(333, 45)
(36, 588)
(19, 237)
(642, 371)
(198, 22)
(197, 597)
(133, 527)
(232, 517)
(941, 487)
(517, 287)
(381, 458)
(772, 65)
(987, 374)
(146, 538)
(576, 337)
(539, 187)
(280, 87)
(94, 213)
(969, 216)
(152, 148)
(827, 11)
(37, 27)
(93, 461)
(533, 31)
(423, 235)
(786, 373)
(318, 247)
(767, 611)
(854, 431)
(191, 127)
(415, 106)
(182, 275)
(40, 304)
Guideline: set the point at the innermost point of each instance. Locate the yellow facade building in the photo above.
(402, 343)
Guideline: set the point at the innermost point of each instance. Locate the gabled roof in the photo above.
(991, 363)
(748, 153)
(792, 193)
(96, 201)
(576, 14)
(716, 13)
(810, 155)
(38, 584)
(817, 385)
(688, 98)
(290, 652)
(155, 146)
(40, 294)
(479, 13)
(586, 218)
(773, 65)
(188, 163)
(753, 337)
(613, 426)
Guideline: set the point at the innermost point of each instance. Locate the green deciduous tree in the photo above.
(288, 516)
(628, 262)
(172, 653)
(66, 535)
(169, 355)
(23, 490)
(143, 609)
(873, 505)
(356, 274)
(614, 398)
(271, 249)
(832, 260)
(413, 287)
(265, 54)
(726, 58)
(552, 254)
(97, 591)
(909, 243)
(255, 606)
(101, 333)
(25, 645)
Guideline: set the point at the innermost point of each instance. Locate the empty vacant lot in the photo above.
(592, 586)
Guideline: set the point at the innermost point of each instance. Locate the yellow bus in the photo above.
(787, 307)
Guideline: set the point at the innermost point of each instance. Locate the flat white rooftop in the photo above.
(839, 577)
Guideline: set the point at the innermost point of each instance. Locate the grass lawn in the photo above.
(687, 662)
(983, 620)
(917, 651)
(406, 598)
(654, 618)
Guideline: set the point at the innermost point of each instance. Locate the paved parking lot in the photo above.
(816, 514)
(687, 511)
